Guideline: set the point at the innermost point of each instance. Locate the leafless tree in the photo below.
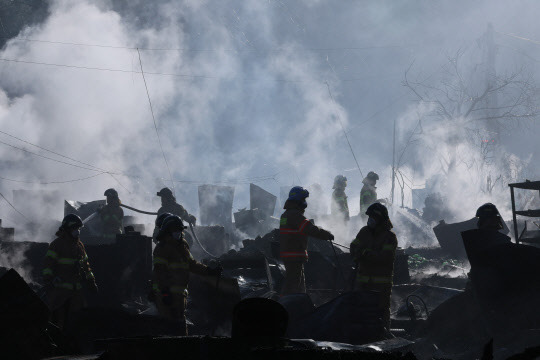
(475, 105)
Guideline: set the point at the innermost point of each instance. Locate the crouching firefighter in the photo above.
(172, 264)
(374, 251)
(66, 269)
(294, 230)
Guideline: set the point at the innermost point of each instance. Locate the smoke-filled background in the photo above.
(242, 92)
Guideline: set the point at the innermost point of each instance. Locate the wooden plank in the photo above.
(527, 185)
(529, 213)
(514, 214)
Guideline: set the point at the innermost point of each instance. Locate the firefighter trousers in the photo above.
(295, 280)
(384, 291)
(175, 312)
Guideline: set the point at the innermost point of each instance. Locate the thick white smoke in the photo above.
(239, 91)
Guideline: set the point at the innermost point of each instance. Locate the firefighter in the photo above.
(159, 222)
(339, 207)
(489, 217)
(111, 216)
(489, 223)
(294, 230)
(169, 204)
(172, 264)
(368, 193)
(373, 252)
(66, 269)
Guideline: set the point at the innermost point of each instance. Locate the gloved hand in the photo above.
(166, 297)
(192, 220)
(217, 271)
(328, 235)
(99, 209)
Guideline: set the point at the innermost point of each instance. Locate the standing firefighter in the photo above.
(294, 230)
(339, 207)
(169, 205)
(111, 216)
(368, 193)
(172, 264)
(66, 268)
(374, 251)
(159, 222)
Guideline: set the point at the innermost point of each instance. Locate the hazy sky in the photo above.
(239, 92)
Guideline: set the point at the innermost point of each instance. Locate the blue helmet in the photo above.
(299, 195)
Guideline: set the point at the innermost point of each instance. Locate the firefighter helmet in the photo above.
(340, 181)
(165, 192)
(170, 224)
(161, 218)
(71, 220)
(487, 210)
(378, 210)
(111, 193)
(373, 176)
(298, 194)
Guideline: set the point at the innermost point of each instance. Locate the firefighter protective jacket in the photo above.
(339, 205)
(374, 251)
(368, 196)
(294, 230)
(111, 217)
(175, 209)
(66, 263)
(172, 264)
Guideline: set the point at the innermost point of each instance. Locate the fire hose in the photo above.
(190, 226)
(139, 211)
(338, 264)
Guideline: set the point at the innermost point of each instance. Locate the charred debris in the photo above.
(467, 298)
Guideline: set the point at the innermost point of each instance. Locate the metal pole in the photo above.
(393, 162)
(514, 214)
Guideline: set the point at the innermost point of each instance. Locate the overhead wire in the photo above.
(51, 182)
(184, 77)
(115, 172)
(46, 157)
(343, 128)
(518, 37)
(51, 151)
(13, 207)
(275, 49)
(154, 120)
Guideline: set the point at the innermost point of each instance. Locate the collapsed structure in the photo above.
(458, 300)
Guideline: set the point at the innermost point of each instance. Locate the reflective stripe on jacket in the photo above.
(339, 204)
(112, 217)
(374, 251)
(67, 262)
(172, 264)
(294, 230)
(368, 196)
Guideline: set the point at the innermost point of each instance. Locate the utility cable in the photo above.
(154, 120)
(49, 158)
(51, 182)
(188, 77)
(51, 151)
(103, 69)
(275, 49)
(518, 37)
(343, 128)
(13, 207)
(119, 172)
